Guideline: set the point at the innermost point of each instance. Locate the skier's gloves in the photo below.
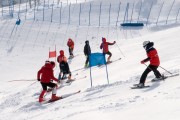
(142, 62)
(39, 79)
(114, 42)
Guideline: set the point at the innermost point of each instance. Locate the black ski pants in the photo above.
(70, 51)
(147, 71)
(87, 59)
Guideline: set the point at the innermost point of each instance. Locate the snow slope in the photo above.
(23, 54)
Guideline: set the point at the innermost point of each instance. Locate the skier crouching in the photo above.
(64, 66)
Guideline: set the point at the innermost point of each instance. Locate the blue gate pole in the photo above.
(107, 74)
(91, 76)
(90, 68)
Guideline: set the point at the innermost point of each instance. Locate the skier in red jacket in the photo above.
(70, 44)
(64, 66)
(45, 75)
(104, 45)
(153, 57)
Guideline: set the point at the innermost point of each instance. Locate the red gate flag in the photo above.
(52, 54)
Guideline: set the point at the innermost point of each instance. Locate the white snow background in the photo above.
(23, 54)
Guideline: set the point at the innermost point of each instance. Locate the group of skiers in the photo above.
(45, 74)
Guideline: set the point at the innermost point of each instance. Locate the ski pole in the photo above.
(20, 80)
(32, 83)
(148, 66)
(159, 66)
(165, 70)
(120, 49)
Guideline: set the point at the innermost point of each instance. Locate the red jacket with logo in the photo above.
(152, 57)
(45, 74)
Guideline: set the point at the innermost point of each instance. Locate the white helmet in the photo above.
(145, 43)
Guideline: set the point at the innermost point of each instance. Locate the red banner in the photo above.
(52, 54)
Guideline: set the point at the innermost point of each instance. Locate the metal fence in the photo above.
(95, 13)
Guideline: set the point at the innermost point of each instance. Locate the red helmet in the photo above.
(103, 39)
(61, 52)
(70, 39)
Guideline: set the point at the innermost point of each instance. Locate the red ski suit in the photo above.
(153, 57)
(104, 45)
(45, 74)
(70, 44)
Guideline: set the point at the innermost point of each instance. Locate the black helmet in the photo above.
(52, 63)
(145, 43)
(87, 41)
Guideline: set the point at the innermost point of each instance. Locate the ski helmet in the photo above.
(52, 63)
(145, 43)
(69, 39)
(87, 42)
(61, 52)
(103, 39)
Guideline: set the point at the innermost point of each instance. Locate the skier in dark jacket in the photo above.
(153, 57)
(87, 52)
(104, 46)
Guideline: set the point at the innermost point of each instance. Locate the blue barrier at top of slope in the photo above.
(132, 24)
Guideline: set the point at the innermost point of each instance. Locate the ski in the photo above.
(61, 97)
(70, 81)
(71, 57)
(165, 77)
(136, 87)
(107, 63)
(113, 61)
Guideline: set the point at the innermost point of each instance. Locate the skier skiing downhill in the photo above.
(87, 52)
(153, 57)
(63, 65)
(104, 46)
(70, 44)
(45, 75)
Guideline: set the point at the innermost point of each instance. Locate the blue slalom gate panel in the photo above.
(132, 24)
